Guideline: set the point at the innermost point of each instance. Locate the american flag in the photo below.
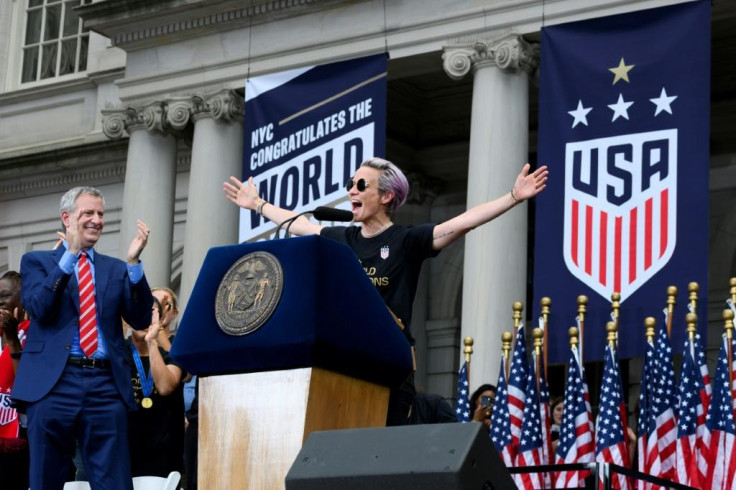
(720, 422)
(648, 454)
(662, 406)
(501, 421)
(462, 404)
(545, 421)
(701, 364)
(690, 421)
(531, 442)
(610, 440)
(576, 434)
(517, 385)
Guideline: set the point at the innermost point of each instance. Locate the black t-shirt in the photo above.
(392, 260)
(156, 434)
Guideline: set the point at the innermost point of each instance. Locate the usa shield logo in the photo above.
(620, 209)
(384, 252)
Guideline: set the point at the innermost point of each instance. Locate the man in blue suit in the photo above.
(74, 374)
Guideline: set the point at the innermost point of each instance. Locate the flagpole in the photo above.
(572, 332)
(538, 336)
(693, 289)
(517, 306)
(649, 324)
(506, 339)
(671, 293)
(728, 320)
(546, 302)
(582, 301)
(615, 309)
(468, 342)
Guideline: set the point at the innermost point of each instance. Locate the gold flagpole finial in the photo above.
(615, 305)
(517, 307)
(649, 324)
(732, 283)
(671, 293)
(691, 319)
(611, 329)
(468, 350)
(546, 303)
(572, 332)
(582, 307)
(506, 339)
(693, 289)
(728, 320)
(582, 303)
(538, 335)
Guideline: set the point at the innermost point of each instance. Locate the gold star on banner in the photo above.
(621, 71)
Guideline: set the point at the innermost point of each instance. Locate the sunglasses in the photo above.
(361, 184)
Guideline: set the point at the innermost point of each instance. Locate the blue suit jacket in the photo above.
(51, 299)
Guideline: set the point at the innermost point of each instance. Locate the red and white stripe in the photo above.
(619, 252)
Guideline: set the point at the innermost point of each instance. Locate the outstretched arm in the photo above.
(245, 195)
(525, 187)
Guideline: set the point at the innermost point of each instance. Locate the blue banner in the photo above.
(623, 126)
(307, 131)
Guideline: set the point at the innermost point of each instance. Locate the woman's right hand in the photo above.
(244, 194)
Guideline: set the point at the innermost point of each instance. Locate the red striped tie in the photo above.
(87, 308)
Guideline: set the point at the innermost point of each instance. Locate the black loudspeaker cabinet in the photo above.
(436, 456)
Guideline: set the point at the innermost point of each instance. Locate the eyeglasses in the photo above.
(361, 184)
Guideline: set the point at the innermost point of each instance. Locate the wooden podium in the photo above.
(325, 359)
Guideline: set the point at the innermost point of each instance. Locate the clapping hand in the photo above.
(138, 243)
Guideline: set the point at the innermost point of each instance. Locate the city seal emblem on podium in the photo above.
(249, 293)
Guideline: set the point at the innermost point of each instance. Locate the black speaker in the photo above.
(436, 456)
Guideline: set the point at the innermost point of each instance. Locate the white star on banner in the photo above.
(663, 102)
(580, 114)
(620, 108)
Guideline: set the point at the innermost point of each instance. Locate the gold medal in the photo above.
(146, 402)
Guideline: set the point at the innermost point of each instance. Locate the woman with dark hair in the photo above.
(481, 404)
(14, 455)
(391, 254)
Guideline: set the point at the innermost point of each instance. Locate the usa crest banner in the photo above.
(306, 132)
(623, 126)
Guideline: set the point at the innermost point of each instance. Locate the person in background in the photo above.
(481, 404)
(156, 429)
(391, 254)
(73, 376)
(170, 307)
(556, 407)
(14, 456)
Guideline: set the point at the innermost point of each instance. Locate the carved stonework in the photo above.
(511, 53)
(224, 106)
(179, 111)
(172, 114)
(150, 117)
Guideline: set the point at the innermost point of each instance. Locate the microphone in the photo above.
(321, 213)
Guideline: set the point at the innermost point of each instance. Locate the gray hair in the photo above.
(69, 200)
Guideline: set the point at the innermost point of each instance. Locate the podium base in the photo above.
(252, 426)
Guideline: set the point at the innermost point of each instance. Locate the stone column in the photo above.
(494, 271)
(217, 153)
(150, 175)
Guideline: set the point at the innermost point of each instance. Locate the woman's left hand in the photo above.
(529, 185)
